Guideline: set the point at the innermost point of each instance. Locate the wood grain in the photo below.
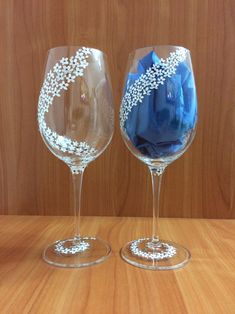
(32, 181)
(28, 285)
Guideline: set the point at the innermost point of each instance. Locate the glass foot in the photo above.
(86, 251)
(160, 255)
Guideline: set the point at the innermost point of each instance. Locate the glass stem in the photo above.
(77, 188)
(156, 176)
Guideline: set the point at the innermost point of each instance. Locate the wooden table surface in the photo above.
(29, 285)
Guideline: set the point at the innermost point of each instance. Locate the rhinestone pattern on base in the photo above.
(79, 247)
(169, 251)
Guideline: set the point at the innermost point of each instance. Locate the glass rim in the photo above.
(155, 46)
(76, 46)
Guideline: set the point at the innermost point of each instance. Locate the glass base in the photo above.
(86, 251)
(155, 255)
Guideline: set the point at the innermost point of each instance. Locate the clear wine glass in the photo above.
(75, 117)
(158, 117)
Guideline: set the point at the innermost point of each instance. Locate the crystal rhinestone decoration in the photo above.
(154, 76)
(75, 248)
(58, 79)
(168, 252)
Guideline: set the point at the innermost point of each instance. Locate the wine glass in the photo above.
(75, 118)
(158, 118)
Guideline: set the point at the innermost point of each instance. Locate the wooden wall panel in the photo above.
(199, 184)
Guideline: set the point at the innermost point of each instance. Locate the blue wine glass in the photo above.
(158, 117)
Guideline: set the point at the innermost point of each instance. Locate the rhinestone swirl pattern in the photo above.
(155, 76)
(154, 255)
(57, 80)
(81, 246)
